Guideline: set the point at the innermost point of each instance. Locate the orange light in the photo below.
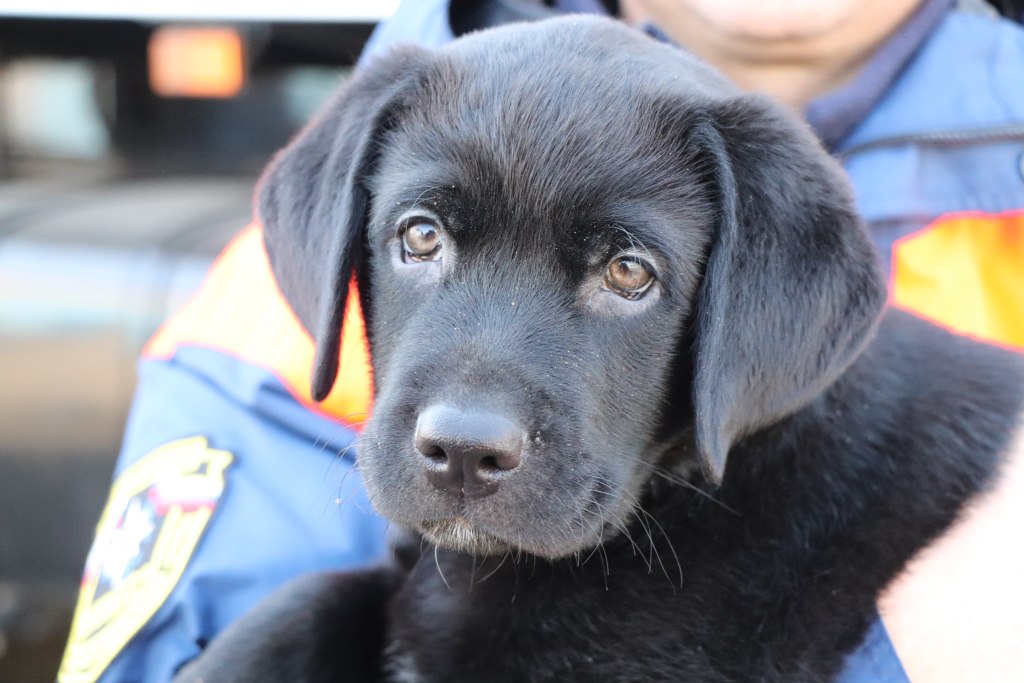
(196, 62)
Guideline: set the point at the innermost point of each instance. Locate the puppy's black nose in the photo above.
(467, 451)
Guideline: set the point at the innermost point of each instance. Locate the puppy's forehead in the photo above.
(591, 48)
(575, 113)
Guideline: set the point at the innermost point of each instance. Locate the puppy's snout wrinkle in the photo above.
(467, 451)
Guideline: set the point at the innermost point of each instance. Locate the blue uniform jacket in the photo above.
(227, 485)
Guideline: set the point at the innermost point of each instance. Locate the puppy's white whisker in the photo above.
(508, 554)
(437, 563)
(674, 478)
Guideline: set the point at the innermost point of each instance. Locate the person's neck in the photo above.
(794, 83)
(793, 70)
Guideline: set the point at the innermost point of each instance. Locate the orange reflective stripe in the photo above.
(240, 311)
(965, 272)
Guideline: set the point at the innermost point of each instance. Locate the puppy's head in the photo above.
(578, 250)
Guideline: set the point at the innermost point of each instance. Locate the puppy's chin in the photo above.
(458, 534)
(605, 515)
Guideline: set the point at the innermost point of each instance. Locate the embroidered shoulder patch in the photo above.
(158, 509)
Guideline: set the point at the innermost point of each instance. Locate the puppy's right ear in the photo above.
(792, 290)
(313, 200)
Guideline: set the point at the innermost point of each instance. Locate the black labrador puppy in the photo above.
(634, 386)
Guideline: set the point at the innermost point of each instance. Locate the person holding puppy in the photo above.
(229, 466)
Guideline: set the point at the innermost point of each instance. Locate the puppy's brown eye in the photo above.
(421, 241)
(628, 276)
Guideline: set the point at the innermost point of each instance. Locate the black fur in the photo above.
(302, 617)
(626, 546)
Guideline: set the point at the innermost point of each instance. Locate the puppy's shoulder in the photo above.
(932, 382)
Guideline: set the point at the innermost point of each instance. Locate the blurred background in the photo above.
(131, 134)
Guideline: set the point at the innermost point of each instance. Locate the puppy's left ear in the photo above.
(313, 200)
(792, 289)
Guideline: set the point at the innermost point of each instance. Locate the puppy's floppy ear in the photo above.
(791, 290)
(313, 200)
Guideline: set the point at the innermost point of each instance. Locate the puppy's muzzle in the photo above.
(467, 452)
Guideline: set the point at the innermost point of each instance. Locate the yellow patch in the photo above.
(158, 509)
(964, 272)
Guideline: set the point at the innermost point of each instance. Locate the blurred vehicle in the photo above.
(130, 138)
